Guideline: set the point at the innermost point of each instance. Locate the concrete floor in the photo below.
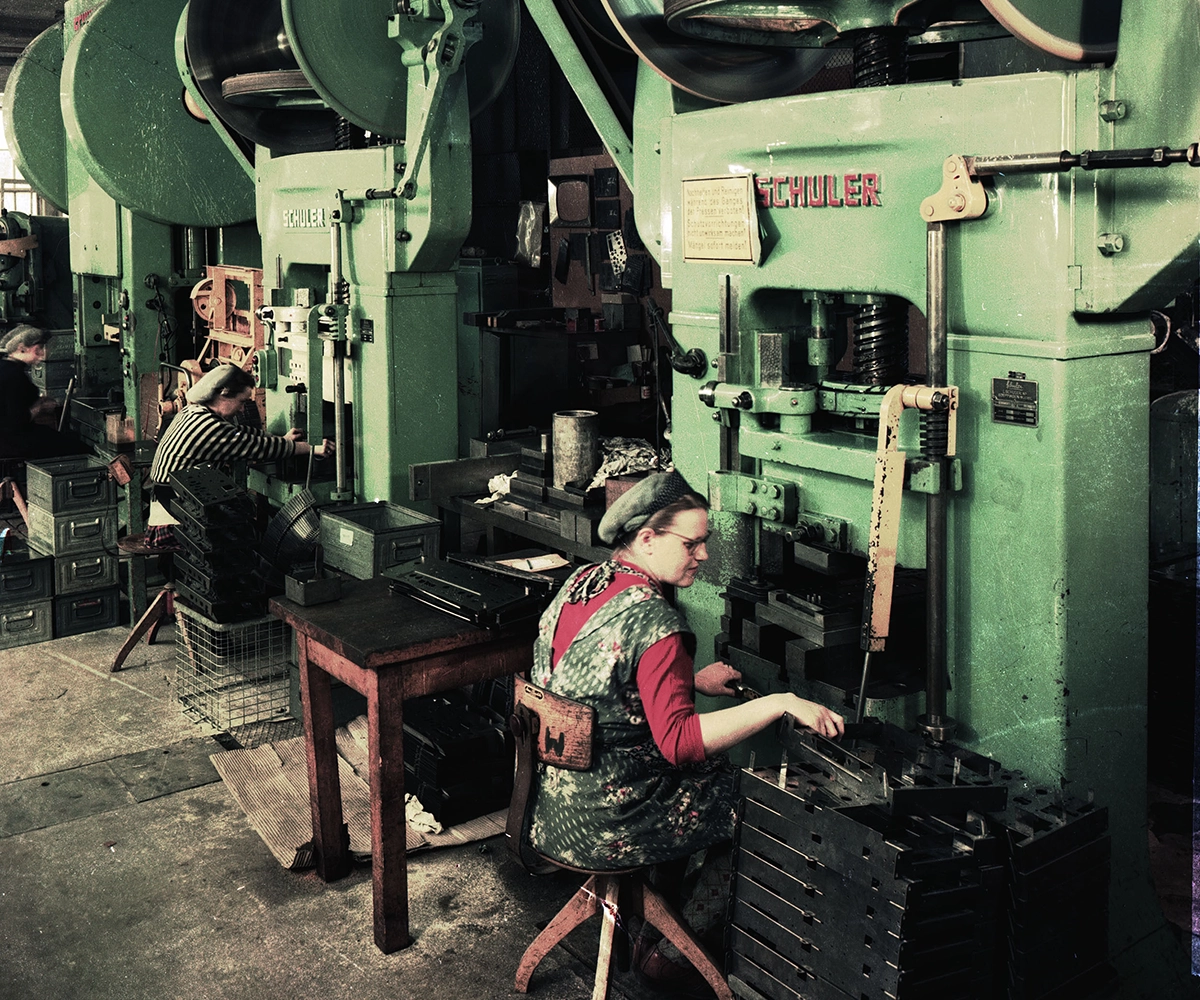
(128, 871)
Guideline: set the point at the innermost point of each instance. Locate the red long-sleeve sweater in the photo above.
(664, 678)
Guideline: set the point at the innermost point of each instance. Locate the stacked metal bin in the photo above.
(26, 601)
(885, 868)
(73, 520)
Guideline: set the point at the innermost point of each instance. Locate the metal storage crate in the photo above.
(65, 485)
(68, 534)
(365, 539)
(75, 614)
(85, 571)
(231, 674)
(25, 576)
(21, 625)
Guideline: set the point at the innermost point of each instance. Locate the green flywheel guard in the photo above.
(33, 119)
(122, 105)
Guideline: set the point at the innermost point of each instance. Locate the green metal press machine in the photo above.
(1034, 218)
(1015, 219)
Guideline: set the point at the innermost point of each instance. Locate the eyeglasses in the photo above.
(689, 544)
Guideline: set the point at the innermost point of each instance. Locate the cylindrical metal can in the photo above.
(576, 453)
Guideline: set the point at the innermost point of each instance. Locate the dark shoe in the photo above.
(662, 974)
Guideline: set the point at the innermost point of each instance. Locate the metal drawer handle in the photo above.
(19, 582)
(91, 568)
(19, 623)
(93, 528)
(89, 609)
(92, 488)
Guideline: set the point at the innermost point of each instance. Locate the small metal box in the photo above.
(365, 539)
(50, 376)
(22, 624)
(25, 577)
(85, 571)
(62, 485)
(67, 534)
(79, 613)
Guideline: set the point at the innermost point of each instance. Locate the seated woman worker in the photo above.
(207, 430)
(660, 788)
(26, 417)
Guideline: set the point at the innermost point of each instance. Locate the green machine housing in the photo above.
(1044, 306)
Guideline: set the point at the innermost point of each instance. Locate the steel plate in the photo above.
(33, 118)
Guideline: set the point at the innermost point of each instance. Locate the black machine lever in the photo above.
(693, 362)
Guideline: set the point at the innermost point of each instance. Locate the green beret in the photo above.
(24, 336)
(637, 505)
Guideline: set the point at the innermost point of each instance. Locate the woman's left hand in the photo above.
(714, 680)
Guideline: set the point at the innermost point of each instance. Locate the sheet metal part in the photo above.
(471, 593)
(842, 888)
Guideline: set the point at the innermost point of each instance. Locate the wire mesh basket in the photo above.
(231, 674)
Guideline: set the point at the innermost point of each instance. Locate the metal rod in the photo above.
(337, 296)
(62, 417)
(861, 705)
(937, 374)
(1089, 159)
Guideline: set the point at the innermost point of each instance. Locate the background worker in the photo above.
(26, 416)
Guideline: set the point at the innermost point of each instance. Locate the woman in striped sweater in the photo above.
(206, 430)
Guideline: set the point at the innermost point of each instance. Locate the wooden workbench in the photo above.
(388, 648)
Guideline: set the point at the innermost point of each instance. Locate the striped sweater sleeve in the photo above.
(198, 435)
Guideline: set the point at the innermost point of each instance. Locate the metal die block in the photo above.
(63, 485)
(23, 624)
(86, 571)
(765, 639)
(79, 613)
(585, 529)
(824, 628)
(67, 534)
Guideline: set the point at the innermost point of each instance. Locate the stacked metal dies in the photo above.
(887, 868)
(215, 571)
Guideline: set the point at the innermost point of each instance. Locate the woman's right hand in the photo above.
(814, 716)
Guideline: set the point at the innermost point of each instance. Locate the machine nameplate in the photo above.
(720, 222)
(858, 190)
(1015, 401)
(305, 218)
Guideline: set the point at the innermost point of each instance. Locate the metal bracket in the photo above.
(961, 195)
(770, 499)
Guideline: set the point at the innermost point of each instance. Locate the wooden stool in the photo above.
(159, 610)
(558, 731)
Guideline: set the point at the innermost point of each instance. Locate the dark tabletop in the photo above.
(371, 626)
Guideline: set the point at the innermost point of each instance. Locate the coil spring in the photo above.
(935, 434)
(347, 135)
(881, 343)
(880, 58)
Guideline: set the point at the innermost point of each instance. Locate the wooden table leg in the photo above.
(331, 846)
(385, 735)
